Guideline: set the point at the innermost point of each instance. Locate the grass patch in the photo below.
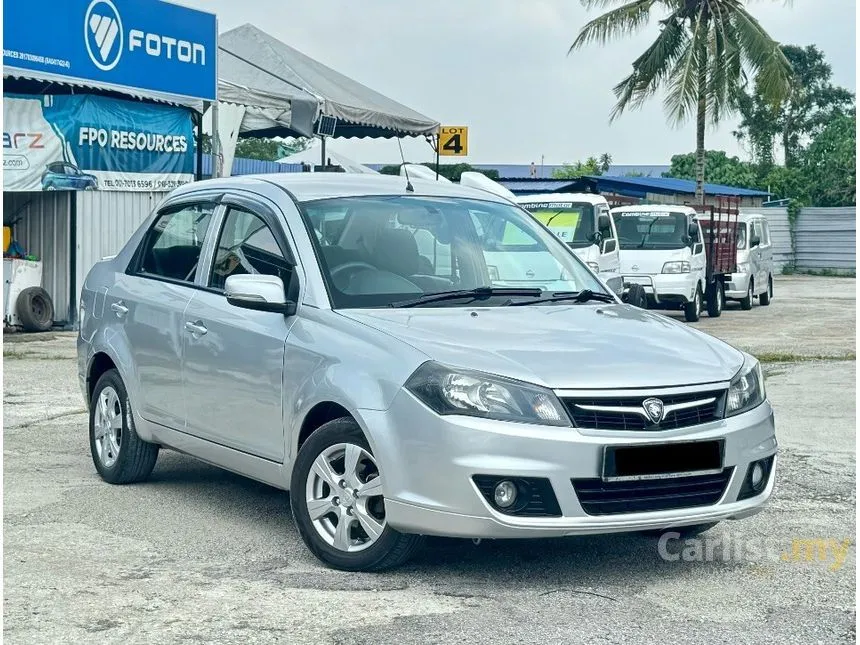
(787, 357)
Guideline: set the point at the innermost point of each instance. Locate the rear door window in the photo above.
(171, 248)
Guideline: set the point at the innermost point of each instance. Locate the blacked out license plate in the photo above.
(658, 461)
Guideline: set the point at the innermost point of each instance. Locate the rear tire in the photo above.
(637, 297)
(716, 299)
(747, 302)
(35, 309)
(694, 308)
(765, 298)
(348, 506)
(119, 455)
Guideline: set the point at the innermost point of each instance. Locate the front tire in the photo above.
(765, 298)
(716, 299)
(337, 504)
(119, 455)
(637, 297)
(694, 308)
(747, 302)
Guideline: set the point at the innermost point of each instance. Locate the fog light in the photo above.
(505, 494)
(757, 475)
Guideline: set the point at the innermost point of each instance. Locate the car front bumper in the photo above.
(738, 286)
(428, 462)
(664, 288)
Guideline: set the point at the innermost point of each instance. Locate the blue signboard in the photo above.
(124, 44)
(88, 142)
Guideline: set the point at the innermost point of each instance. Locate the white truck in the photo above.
(668, 261)
(583, 222)
(753, 276)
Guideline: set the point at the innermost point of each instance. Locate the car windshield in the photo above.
(651, 229)
(573, 222)
(378, 251)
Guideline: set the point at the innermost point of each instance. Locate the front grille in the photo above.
(537, 498)
(630, 420)
(598, 497)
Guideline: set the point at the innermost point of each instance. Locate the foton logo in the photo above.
(103, 34)
(105, 40)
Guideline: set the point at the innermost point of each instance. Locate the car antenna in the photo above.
(409, 187)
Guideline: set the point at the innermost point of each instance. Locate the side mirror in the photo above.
(609, 245)
(693, 231)
(755, 241)
(260, 293)
(603, 222)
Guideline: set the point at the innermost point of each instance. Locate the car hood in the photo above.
(562, 346)
(649, 262)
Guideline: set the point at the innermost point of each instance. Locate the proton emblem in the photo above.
(654, 409)
(530, 274)
(635, 267)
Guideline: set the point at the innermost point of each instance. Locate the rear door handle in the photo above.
(197, 328)
(119, 309)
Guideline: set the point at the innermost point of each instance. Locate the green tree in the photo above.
(261, 148)
(812, 103)
(591, 166)
(831, 164)
(605, 162)
(703, 52)
(719, 169)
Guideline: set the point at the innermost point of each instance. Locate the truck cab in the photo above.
(753, 275)
(583, 222)
(662, 251)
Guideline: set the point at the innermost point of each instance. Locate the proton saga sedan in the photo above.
(347, 338)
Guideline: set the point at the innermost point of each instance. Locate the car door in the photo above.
(766, 260)
(147, 304)
(755, 253)
(610, 257)
(234, 358)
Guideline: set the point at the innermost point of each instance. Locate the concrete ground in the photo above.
(199, 555)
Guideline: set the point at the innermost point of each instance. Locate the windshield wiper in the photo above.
(577, 296)
(475, 294)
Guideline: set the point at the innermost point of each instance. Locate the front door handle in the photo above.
(197, 328)
(119, 309)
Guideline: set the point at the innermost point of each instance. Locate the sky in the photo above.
(501, 68)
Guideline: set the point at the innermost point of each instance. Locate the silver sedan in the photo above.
(410, 361)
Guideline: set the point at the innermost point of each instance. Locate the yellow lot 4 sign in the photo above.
(454, 141)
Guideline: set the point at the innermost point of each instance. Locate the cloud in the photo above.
(502, 69)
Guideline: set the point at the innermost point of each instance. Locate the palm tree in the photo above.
(703, 55)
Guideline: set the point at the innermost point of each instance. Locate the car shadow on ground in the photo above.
(571, 564)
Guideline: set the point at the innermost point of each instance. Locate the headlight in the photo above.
(744, 267)
(747, 388)
(676, 267)
(593, 266)
(454, 391)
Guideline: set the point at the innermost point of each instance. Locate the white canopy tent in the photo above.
(311, 157)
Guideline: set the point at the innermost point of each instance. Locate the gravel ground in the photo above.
(201, 555)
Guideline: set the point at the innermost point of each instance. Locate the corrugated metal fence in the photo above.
(43, 231)
(105, 222)
(826, 239)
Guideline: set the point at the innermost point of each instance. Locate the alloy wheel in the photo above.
(343, 493)
(107, 424)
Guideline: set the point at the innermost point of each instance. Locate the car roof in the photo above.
(588, 198)
(652, 208)
(308, 186)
